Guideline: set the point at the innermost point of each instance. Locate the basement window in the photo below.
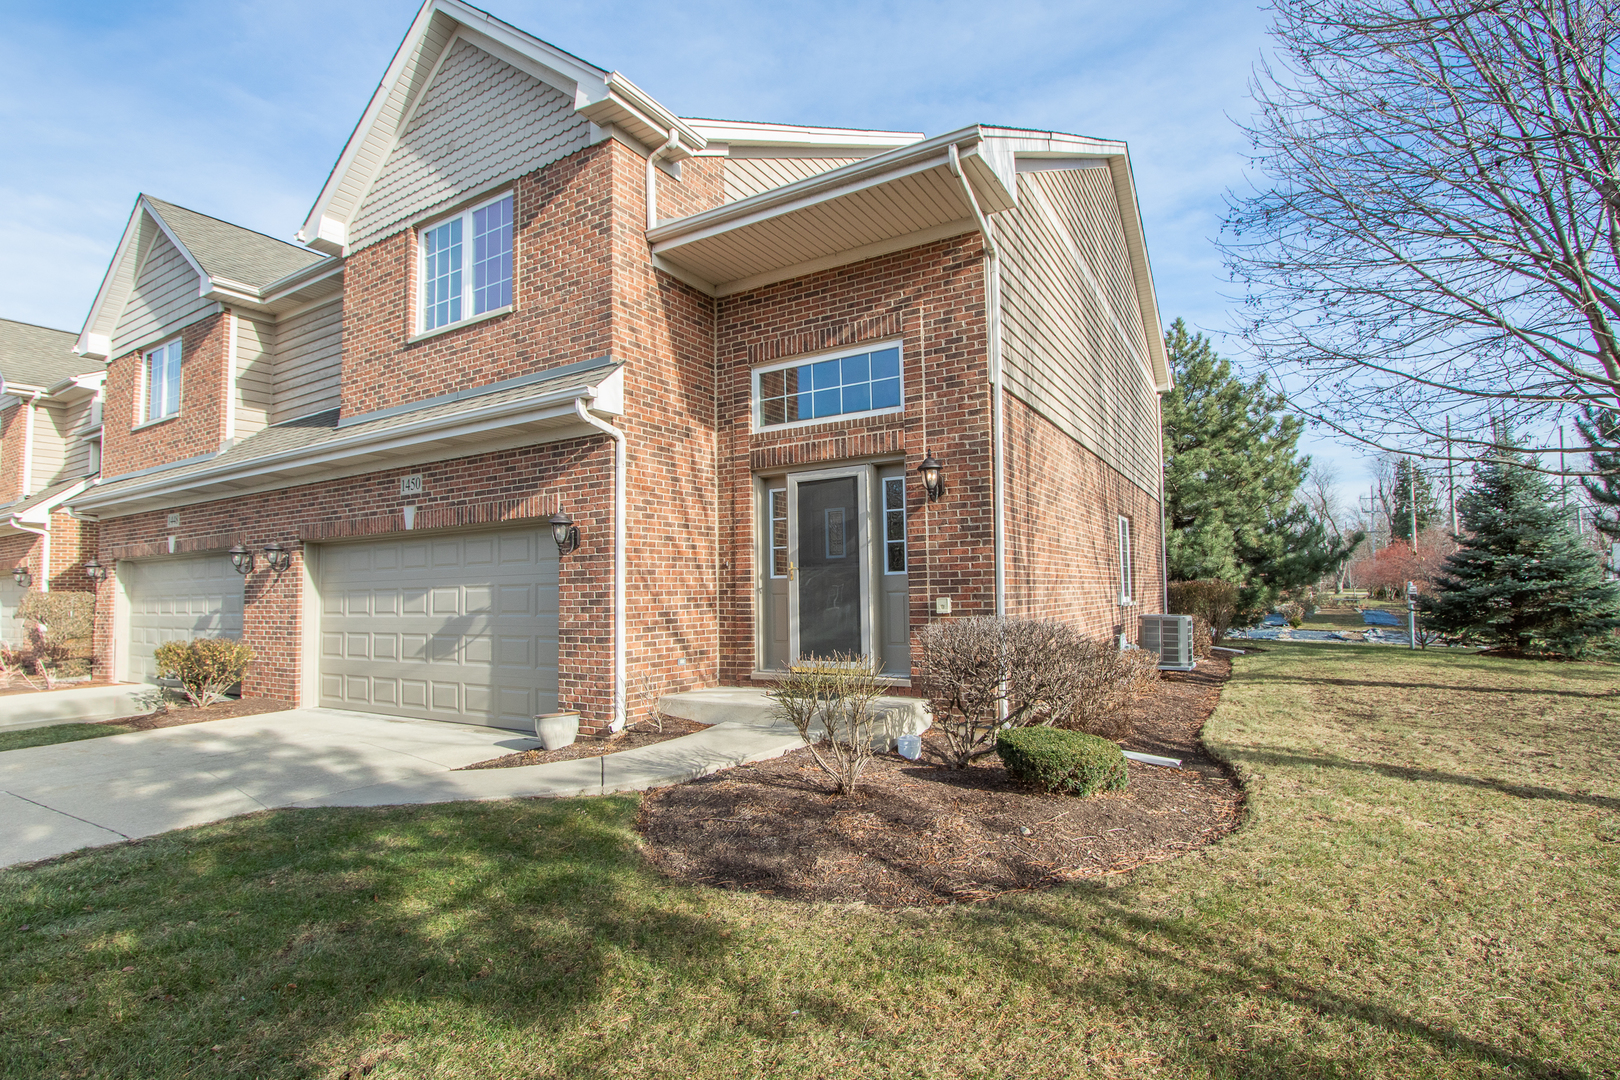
(866, 383)
(466, 264)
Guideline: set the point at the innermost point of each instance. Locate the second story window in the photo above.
(854, 384)
(467, 264)
(162, 382)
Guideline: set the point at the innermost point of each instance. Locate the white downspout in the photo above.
(671, 143)
(28, 445)
(998, 457)
(618, 721)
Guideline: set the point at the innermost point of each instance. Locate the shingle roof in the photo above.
(232, 252)
(28, 502)
(39, 356)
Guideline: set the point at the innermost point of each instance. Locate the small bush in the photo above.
(70, 616)
(829, 701)
(204, 667)
(1203, 638)
(1063, 762)
(1108, 680)
(1215, 601)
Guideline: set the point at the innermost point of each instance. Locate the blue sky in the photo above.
(239, 109)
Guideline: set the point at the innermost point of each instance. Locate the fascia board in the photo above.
(745, 133)
(91, 344)
(40, 512)
(580, 71)
(394, 437)
(894, 165)
(1130, 216)
(643, 103)
(301, 278)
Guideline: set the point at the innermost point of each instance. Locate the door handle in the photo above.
(791, 568)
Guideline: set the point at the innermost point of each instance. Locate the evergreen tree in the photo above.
(1231, 476)
(1410, 480)
(1601, 430)
(1522, 577)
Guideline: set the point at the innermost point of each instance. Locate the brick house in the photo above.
(528, 295)
(50, 447)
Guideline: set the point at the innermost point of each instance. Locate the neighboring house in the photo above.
(530, 294)
(50, 446)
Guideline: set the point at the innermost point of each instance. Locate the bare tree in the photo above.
(1438, 228)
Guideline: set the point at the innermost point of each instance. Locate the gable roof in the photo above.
(605, 98)
(37, 357)
(232, 264)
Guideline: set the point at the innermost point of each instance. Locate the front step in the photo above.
(753, 708)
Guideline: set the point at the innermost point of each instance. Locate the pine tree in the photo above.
(1231, 476)
(1601, 430)
(1522, 578)
(1410, 480)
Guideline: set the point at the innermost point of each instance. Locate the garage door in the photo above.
(11, 596)
(457, 627)
(178, 599)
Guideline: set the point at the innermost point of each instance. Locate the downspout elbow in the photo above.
(670, 144)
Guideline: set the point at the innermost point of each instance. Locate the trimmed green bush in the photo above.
(1065, 762)
(205, 667)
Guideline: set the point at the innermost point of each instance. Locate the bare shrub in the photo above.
(1110, 681)
(829, 701)
(651, 698)
(1203, 639)
(1216, 601)
(205, 667)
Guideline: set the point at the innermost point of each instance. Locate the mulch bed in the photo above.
(643, 733)
(174, 715)
(916, 833)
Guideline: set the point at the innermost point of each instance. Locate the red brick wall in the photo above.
(1063, 505)
(199, 426)
(22, 549)
(933, 297)
(510, 487)
(73, 542)
(12, 425)
(664, 331)
(562, 297)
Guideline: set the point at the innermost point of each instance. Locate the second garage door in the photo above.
(178, 599)
(457, 627)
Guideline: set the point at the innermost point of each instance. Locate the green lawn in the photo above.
(1426, 887)
(60, 733)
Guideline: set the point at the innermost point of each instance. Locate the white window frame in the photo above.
(905, 524)
(817, 358)
(466, 218)
(144, 414)
(1127, 576)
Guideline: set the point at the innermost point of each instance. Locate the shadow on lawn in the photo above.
(1419, 775)
(1610, 694)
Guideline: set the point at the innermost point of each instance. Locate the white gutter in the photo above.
(44, 534)
(619, 718)
(998, 467)
(670, 144)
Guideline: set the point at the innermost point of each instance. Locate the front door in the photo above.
(829, 580)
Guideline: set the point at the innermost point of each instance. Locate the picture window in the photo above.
(467, 264)
(856, 384)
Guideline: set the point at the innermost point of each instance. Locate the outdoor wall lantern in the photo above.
(95, 571)
(933, 476)
(564, 532)
(242, 559)
(22, 577)
(277, 556)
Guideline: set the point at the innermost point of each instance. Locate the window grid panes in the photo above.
(860, 383)
(467, 265)
(894, 525)
(1125, 584)
(779, 533)
(163, 381)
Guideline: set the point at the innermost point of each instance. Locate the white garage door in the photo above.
(12, 630)
(178, 599)
(456, 627)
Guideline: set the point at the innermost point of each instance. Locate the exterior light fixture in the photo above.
(95, 571)
(277, 556)
(242, 559)
(564, 532)
(22, 577)
(933, 476)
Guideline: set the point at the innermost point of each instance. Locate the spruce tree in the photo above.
(1231, 477)
(1409, 481)
(1522, 578)
(1601, 430)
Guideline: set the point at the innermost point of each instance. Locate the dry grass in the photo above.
(1426, 888)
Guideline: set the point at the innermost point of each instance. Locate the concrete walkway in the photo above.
(56, 799)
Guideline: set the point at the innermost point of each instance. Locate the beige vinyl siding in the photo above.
(482, 121)
(74, 423)
(750, 176)
(255, 376)
(1073, 345)
(50, 446)
(309, 363)
(164, 299)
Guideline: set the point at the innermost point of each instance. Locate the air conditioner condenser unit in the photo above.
(1171, 636)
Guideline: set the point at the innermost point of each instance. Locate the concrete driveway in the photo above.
(56, 799)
